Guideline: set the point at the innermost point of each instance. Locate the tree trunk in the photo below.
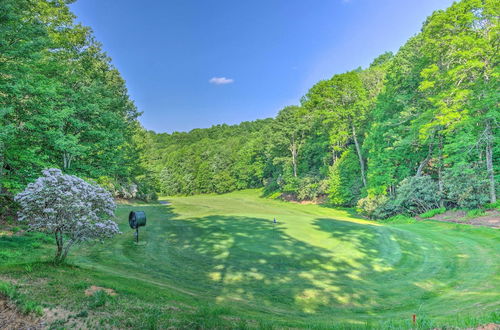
(440, 174)
(69, 244)
(59, 242)
(360, 156)
(293, 149)
(424, 162)
(67, 158)
(489, 163)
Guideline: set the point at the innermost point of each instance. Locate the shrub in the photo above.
(475, 213)
(146, 190)
(289, 184)
(99, 299)
(142, 188)
(417, 195)
(371, 204)
(492, 206)
(68, 207)
(344, 180)
(431, 213)
(414, 195)
(311, 188)
(8, 207)
(465, 187)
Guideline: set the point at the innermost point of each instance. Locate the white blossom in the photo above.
(68, 207)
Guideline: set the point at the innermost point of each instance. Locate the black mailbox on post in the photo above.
(137, 219)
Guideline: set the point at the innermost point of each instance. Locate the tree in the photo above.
(68, 207)
(289, 129)
(343, 101)
(461, 80)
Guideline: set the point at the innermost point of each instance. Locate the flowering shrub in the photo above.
(72, 209)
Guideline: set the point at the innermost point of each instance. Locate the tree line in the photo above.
(415, 130)
(62, 103)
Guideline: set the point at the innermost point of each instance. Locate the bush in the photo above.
(311, 188)
(492, 206)
(475, 213)
(142, 188)
(431, 213)
(146, 190)
(371, 205)
(8, 207)
(99, 299)
(344, 180)
(416, 195)
(465, 187)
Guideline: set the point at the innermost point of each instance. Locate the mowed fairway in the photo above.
(316, 266)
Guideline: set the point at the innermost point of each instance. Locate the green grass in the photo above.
(431, 213)
(219, 261)
(25, 305)
(471, 214)
(493, 206)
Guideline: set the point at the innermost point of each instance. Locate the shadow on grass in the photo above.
(251, 260)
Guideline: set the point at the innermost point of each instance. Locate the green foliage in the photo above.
(99, 299)
(371, 206)
(141, 188)
(417, 195)
(345, 185)
(471, 214)
(311, 188)
(492, 206)
(422, 112)
(8, 207)
(62, 104)
(431, 213)
(399, 219)
(465, 187)
(25, 305)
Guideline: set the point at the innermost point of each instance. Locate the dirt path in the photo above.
(490, 219)
(11, 318)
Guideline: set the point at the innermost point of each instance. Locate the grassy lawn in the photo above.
(219, 260)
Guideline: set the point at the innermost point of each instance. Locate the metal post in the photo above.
(137, 234)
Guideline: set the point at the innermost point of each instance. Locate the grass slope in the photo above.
(219, 260)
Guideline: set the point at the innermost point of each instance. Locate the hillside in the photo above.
(220, 261)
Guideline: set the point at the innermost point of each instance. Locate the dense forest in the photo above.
(414, 131)
(62, 103)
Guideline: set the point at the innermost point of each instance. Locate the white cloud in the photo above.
(221, 80)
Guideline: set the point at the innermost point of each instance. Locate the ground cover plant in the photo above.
(219, 260)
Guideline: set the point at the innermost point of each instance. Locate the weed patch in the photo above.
(431, 213)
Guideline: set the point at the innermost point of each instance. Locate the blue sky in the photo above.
(192, 64)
